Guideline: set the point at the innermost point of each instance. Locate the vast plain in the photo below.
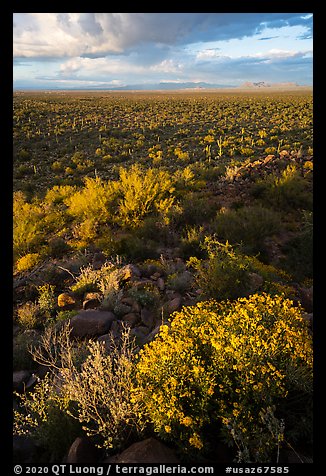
(163, 274)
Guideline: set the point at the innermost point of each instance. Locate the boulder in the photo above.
(20, 380)
(91, 322)
(160, 284)
(91, 301)
(151, 335)
(256, 282)
(173, 305)
(83, 451)
(150, 451)
(131, 318)
(132, 303)
(66, 301)
(140, 334)
(130, 271)
(147, 317)
(306, 297)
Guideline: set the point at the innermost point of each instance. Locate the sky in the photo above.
(148, 50)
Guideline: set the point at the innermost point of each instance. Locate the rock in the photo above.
(91, 323)
(147, 317)
(151, 335)
(91, 301)
(284, 153)
(160, 284)
(256, 282)
(140, 333)
(173, 305)
(306, 298)
(83, 451)
(20, 379)
(155, 276)
(132, 303)
(24, 449)
(308, 317)
(131, 318)
(130, 271)
(150, 451)
(32, 381)
(66, 301)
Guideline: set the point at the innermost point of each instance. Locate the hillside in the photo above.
(159, 237)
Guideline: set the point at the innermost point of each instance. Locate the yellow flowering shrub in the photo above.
(222, 370)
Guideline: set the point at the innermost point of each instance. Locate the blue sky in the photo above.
(110, 50)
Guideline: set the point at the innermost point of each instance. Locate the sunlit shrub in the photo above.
(223, 371)
(225, 274)
(143, 192)
(27, 221)
(27, 262)
(29, 315)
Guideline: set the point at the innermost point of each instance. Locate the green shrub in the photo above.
(27, 221)
(23, 345)
(225, 274)
(287, 191)
(142, 192)
(29, 315)
(223, 372)
(191, 240)
(298, 251)
(43, 415)
(27, 262)
(46, 300)
(248, 226)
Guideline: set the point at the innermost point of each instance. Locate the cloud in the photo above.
(99, 34)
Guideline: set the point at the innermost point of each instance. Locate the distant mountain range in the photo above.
(263, 84)
(166, 86)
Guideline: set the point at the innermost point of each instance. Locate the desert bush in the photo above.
(91, 203)
(225, 274)
(286, 191)
(27, 262)
(29, 315)
(91, 279)
(27, 221)
(222, 371)
(147, 296)
(43, 415)
(298, 251)
(190, 242)
(46, 299)
(143, 192)
(180, 282)
(99, 388)
(248, 226)
(23, 346)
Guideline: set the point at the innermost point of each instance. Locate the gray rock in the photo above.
(150, 451)
(173, 305)
(83, 451)
(256, 282)
(160, 284)
(131, 318)
(91, 323)
(20, 379)
(140, 333)
(147, 317)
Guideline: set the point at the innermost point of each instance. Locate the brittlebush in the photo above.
(225, 368)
